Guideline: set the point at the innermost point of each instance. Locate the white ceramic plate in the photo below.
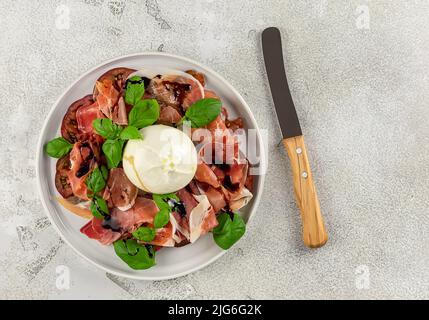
(171, 262)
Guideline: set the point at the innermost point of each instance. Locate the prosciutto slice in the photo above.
(83, 159)
(94, 230)
(202, 218)
(121, 223)
(69, 126)
(215, 196)
(107, 96)
(117, 76)
(85, 115)
(121, 192)
(175, 91)
(110, 101)
(205, 174)
(164, 236)
(198, 219)
(169, 115)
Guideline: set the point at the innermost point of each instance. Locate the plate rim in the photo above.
(39, 153)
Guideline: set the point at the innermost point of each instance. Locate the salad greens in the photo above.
(202, 112)
(112, 149)
(58, 147)
(134, 90)
(144, 113)
(129, 133)
(162, 202)
(136, 255)
(146, 234)
(96, 182)
(98, 207)
(106, 128)
(230, 229)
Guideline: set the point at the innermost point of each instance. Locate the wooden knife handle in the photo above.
(313, 228)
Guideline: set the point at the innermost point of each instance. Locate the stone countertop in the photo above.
(358, 73)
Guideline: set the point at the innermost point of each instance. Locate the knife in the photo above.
(313, 228)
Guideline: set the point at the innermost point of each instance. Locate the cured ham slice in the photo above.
(198, 219)
(110, 102)
(197, 75)
(85, 115)
(215, 197)
(95, 230)
(169, 115)
(122, 193)
(234, 124)
(69, 126)
(121, 223)
(118, 76)
(237, 199)
(83, 159)
(144, 210)
(182, 218)
(205, 174)
(202, 218)
(119, 113)
(238, 173)
(175, 91)
(210, 94)
(164, 236)
(107, 96)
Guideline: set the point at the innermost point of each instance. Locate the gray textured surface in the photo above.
(362, 96)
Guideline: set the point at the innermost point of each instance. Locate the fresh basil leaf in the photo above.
(130, 132)
(112, 149)
(162, 202)
(95, 182)
(104, 172)
(202, 112)
(58, 147)
(163, 198)
(99, 207)
(144, 113)
(134, 90)
(229, 230)
(145, 234)
(162, 217)
(106, 128)
(137, 256)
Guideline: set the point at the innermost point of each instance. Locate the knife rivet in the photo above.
(298, 150)
(304, 175)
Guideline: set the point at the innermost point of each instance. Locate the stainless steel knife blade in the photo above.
(274, 64)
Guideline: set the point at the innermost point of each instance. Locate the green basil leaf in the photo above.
(58, 147)
(99, 207)
(112, 149)
(163, 198)
(228, 231)
(130, 132)
(106, 128)
(134, 90)
(145, 234)
(162, 217)
(95, 181)
(144, 113)
(202, 112)
(104, 172)
(137, 256)
(161, 201)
